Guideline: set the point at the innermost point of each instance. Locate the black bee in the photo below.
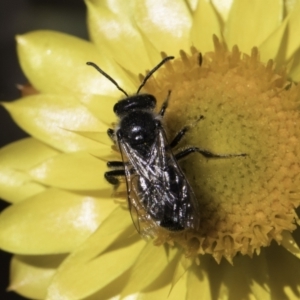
(158, 192)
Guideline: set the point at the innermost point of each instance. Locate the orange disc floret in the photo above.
(248, 107)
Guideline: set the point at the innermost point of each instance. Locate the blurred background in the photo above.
(17, 17)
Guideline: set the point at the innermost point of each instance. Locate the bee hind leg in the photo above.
(205, 153)
(111, 176)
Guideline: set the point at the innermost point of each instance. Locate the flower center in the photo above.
(248, 107)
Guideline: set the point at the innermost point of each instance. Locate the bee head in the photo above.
(135, 103)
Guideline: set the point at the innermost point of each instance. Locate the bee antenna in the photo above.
(107, 76)
(153, 70)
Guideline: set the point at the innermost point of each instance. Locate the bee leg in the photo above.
(115, 164)
(182, 133)
(165, 105)
(111, 176)
(111, 134)
(205, 153)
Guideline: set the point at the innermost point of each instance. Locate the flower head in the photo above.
(72, 233)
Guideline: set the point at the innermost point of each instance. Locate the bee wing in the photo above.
(186, 208)
(185, 205)
(134, 215)
(158, 191)
(132, 165)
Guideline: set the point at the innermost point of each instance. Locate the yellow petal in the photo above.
(153, 54)
(44, 54)
(222, 7)
(293, 43)
(199, 287)
(25, 153)
(290, 5)
(271, 46)
(178, 292)
(112, 290)
(290, 244)
(205, 24)
(180, 289)
(183, 264)
(51, 118)
(30, 276)
(116, 6)
(260, 291)
(192, 4)
(211, 280)
(73, 171)
(247, 24)
(239, 275)
(165, 22)
(101, 107)
(112, 31)
(21, 155)
(150, 264)
(100, 137)
(16, 186)
(295, 69)
(284, 273)
(51, 222)
(106, 153)
(117, 225)
(97, 273)
(99, 270)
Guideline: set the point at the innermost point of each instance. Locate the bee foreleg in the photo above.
(165, 105)
(205, 153)
(111, 176)
(111, 134)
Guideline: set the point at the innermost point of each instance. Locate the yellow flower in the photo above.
(73, 239)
